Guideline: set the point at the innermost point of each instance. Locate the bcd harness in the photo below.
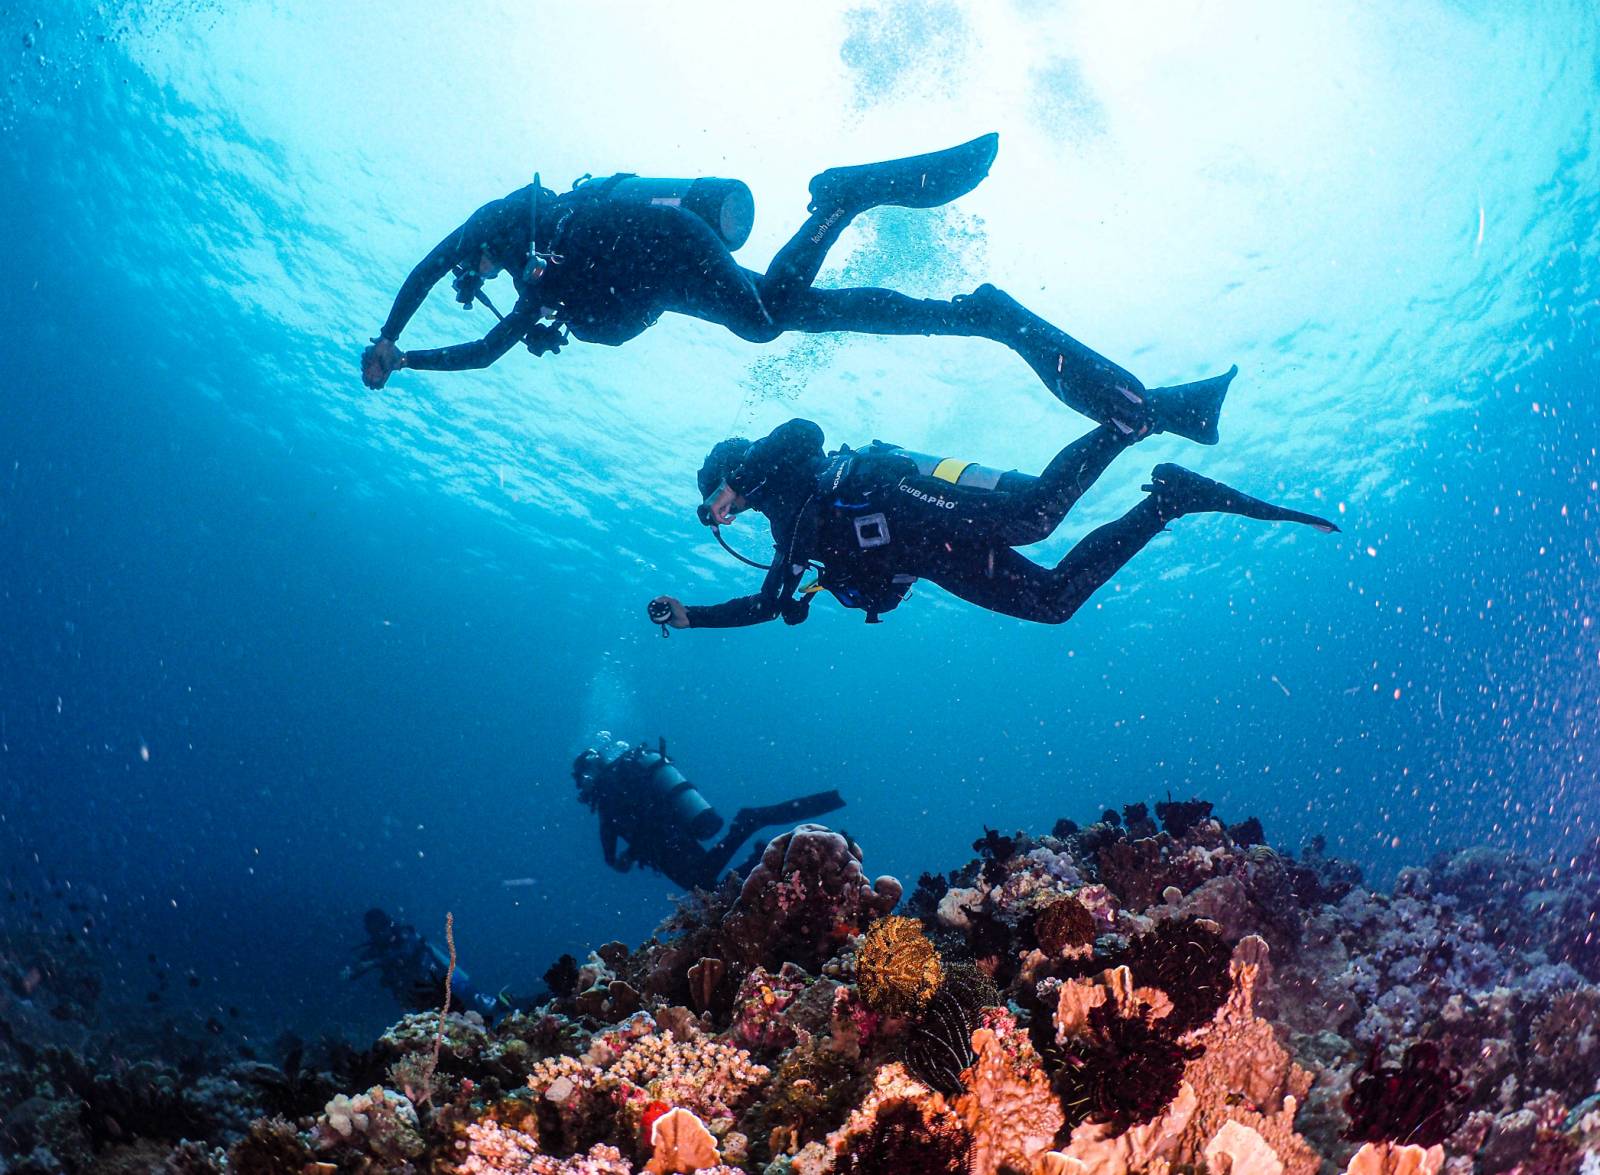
(859, 566)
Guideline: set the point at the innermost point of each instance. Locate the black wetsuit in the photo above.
(632, 813)
(960, 538)
(619, 266)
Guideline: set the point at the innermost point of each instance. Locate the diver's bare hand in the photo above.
(680, 615)
(379, 361)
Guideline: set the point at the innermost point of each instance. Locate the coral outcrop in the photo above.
(1156, 991)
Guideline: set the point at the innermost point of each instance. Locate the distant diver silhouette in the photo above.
(872, 521)
(642, 798)
(603, 262)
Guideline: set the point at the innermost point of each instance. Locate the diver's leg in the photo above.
(1087, 381)
(749, 821)
(1002, 580)
(840, 194)
(1036, 508)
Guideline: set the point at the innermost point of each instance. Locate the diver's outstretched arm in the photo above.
(470, 356)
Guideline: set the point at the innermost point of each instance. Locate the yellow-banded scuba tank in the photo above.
(950, 469)
(862, 567)
(726, 205)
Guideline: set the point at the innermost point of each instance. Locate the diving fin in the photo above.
(917, 181)
(1190, 410)
(1177, 491)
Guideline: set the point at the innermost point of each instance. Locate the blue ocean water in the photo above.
(278, 648)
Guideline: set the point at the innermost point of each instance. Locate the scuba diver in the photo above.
(873, 521)
(603, 262)
(414, 969)
(644, 799)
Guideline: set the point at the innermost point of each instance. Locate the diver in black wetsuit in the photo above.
(879, 518)
(645, 800)
(606, 259)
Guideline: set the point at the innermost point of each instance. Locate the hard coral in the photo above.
(681, 1145)
(1064, 925)
(1008, 1107)
(804, 898)
(897, 968)
(1244, 1075)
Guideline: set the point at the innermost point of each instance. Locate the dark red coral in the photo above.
(1124, 1070)
(1065, 922)
(1179, 816)
(901, 1141)
(1420, 1100)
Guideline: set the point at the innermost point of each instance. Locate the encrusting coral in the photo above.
(1113, 999)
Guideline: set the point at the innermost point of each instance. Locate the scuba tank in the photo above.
(726, 205)
(664, 788)
(950, 469)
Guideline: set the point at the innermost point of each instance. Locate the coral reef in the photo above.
(1156, 991)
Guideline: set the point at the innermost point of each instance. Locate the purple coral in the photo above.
(804, 899)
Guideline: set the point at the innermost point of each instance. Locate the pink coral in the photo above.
(493, 1149)
(1009, 1108)
(1389, 1158)
(1244, 1075)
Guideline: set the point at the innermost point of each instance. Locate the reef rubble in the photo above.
(1158, 991)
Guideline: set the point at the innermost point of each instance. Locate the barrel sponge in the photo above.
(897, 968)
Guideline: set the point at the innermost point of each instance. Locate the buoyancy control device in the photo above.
(860, 562)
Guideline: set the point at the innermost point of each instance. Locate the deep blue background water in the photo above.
(277, 649)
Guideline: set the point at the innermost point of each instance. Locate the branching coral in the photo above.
(703, 1075)
(897, 968)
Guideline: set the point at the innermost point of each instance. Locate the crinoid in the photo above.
(897, 969)
(941, 1040)
(1419, 1101)
(1123, 1071)
(1188, 960)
